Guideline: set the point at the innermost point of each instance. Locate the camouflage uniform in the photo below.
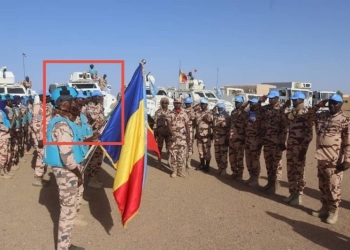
(27, 84)
(299, 137)
(332, 148)
(253, 145)
(274, 141)
(70, 194)
(177, 123)
(4, 150)
(236, 142)
(16, 142)
(37, 125)
(191, 117)
(161, 129)
(102, 83)
(204, 123)
(221, 128)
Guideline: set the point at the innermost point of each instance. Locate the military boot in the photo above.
(40, 182)
(201, 164)
(332, 215)
(206, 169)
(72, 247)
(297, 200)
(188, 163)
(4, 175)
(273, 187)
(174, 173)
(219, 171)
(179, 172)
(289, 198)
(322, 212)
(253, 181)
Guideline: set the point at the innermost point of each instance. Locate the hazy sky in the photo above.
(251, 41)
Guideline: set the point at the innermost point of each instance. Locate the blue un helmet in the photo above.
(188, 100)
(63, 93)
(298, 95)
(96, 93)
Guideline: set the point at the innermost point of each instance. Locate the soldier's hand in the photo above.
(263, 98)
(322, 103)
(40, 144)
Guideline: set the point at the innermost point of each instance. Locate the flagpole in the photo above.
(143, 62)
(24, 68)
(178, 83)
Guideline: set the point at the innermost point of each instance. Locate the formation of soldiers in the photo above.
(251, 129)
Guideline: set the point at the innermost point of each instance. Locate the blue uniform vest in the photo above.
(52, 156)
(29, 114)
(92, 72)
(5, 121)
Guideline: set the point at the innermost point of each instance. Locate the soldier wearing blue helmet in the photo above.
(332, 154)
(38, 130)
(275, 135)
(5, 127)
(66, 160)
(17, 139)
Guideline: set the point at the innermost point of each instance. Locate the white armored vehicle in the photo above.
(9, 86)
(79, 82)
(321, 95)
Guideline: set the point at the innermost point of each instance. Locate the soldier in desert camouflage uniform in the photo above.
(274, 139)
(299, 138)
(253, 143)
(98, 121)
(67, 171)
(102, 82)
(236, 140)
(191, 117)
(27, 83)
(160, 128)
(332, 154)
(16, 147)
(177, 121)
(37, 125)
(221, 129)
(4, 142)
(204, 135)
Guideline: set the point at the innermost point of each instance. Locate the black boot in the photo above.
(207, 166)
(201, 165)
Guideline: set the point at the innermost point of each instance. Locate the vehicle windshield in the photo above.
(15, 91)
(210, 95)
(325, 95)
(2, 90)
(200, 94)
(84, 85)
(161, 92)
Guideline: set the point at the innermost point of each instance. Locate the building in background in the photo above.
(259, 89)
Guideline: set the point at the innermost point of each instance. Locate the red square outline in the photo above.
(121, 62)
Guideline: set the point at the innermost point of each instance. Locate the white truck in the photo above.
(287, 90)
(9, 86)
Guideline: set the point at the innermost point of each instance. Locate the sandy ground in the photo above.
(201, 211)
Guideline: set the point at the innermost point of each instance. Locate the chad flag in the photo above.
(182, 77)
(130, 159)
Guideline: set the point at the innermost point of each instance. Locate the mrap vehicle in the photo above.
(9, 86)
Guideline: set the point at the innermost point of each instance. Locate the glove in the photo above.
(40, 144)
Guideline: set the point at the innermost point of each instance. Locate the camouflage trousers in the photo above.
(4, 152)
(252, 159)
(32, 134)
(177, 152)
(296, 158)
(221, 153)
(16, 147)
(236, 156)
(40, 166)
(160, 142)
(95, 163)
(273, 161)
(190, 145)
(204, 145)
(70, 196)
(329, 184)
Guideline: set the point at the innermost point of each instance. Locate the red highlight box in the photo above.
(121, 62)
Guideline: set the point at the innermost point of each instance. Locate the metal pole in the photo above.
(24, 68)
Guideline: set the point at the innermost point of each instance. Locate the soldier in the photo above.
(98, 119)
(102, 82)
(27, 83)
(18, 138)
(299, 138)
(161, 129)
(204, 135)
(191, 117)
(92, 71)
(274, 138)
(221, 131)
(236, 140)
(37, 125)
(177, 122)
(66, 161)
(332, 154)
(253, 143)
(5, 126)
